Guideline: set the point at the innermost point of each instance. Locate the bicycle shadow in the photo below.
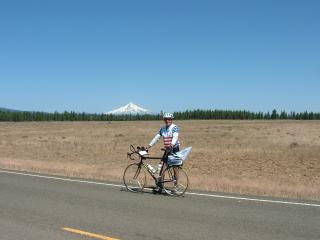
(149, 190)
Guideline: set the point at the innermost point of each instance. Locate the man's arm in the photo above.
(175, 136)
(154, 140)
(175, 139)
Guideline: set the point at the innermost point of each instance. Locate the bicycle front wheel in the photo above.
(175, 181)
(134, 178)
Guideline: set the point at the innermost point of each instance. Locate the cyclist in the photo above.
(170, 135)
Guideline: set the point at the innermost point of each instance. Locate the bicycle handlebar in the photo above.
(142, 148)
(134, 154)
(132, 148)
(135, 151)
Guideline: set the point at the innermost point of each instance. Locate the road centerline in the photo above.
(88, 234)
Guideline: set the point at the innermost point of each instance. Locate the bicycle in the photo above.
(172, 178)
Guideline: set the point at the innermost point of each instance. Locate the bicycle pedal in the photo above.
(157, 190)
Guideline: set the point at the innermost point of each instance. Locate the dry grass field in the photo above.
(276, 158)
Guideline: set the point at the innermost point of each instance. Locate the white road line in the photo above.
(189, 193)
(254, 199)
(61, 179)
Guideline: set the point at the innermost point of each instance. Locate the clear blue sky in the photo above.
(95, 56)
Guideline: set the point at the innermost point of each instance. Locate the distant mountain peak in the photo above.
(130, 108)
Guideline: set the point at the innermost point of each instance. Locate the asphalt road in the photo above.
(39, 208)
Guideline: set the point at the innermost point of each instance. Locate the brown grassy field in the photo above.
(276, 158)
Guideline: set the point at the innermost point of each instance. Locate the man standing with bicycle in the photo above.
(170, 135)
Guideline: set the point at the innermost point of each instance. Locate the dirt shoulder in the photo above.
(275, 158)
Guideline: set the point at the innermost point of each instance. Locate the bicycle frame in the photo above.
(142, 163)
(145, 166)
(167, 180)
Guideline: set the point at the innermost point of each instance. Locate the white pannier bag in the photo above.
(178, 157)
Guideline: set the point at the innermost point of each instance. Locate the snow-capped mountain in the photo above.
(130, 108)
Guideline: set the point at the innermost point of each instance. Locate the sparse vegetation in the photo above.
(279, 158)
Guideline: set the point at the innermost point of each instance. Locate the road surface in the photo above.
(34, 208)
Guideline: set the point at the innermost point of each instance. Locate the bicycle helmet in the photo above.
(168, 116)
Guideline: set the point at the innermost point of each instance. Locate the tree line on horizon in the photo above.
(8, 116)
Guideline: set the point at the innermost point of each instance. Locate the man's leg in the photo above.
(160, 185)
(160, 179)
(176, 168)
(176, 171)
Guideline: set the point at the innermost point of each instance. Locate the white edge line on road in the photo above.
(189, 193)
(254, 199)
(61, 179)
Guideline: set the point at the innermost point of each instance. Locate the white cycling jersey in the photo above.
(169, 134)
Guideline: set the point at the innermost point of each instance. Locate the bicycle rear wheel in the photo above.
(175, 181)
(134, 178)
